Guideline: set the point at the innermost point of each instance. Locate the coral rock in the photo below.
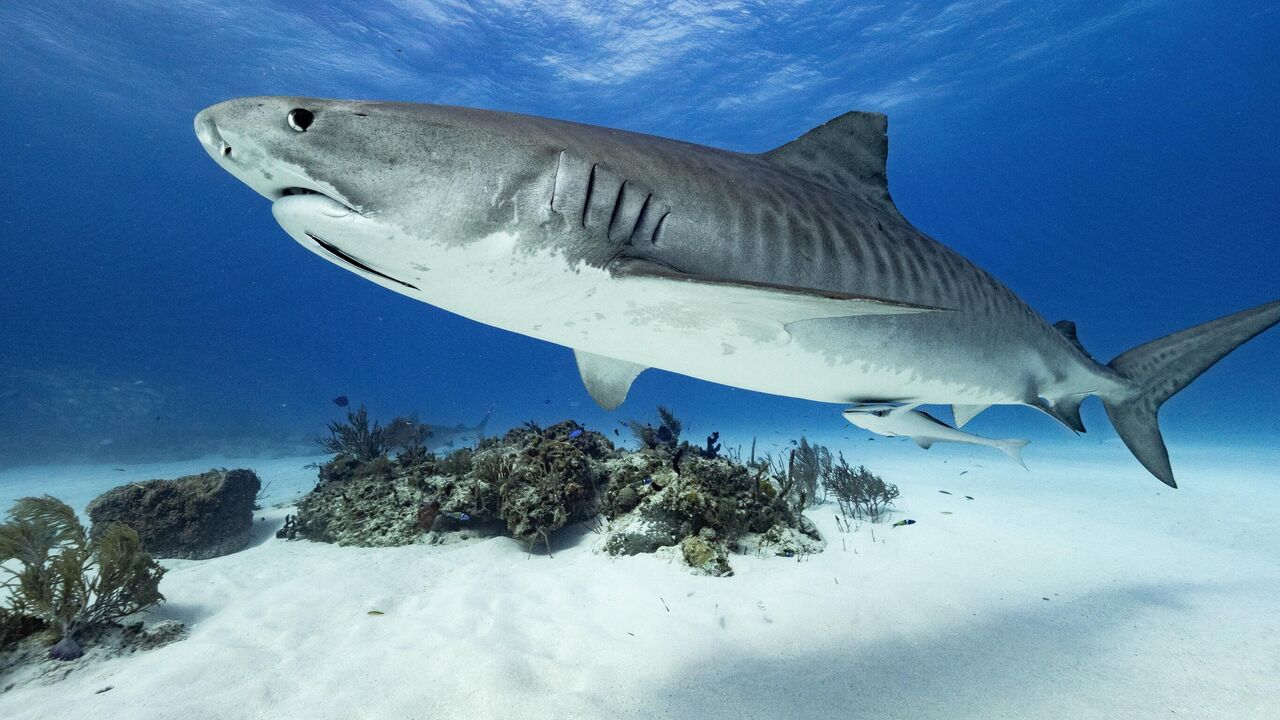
(194, 517)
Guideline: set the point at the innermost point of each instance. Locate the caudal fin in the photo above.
(1162, 367)
(1013, 448)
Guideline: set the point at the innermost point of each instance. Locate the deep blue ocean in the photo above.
(1114, 163)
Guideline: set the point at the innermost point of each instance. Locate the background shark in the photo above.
(407, 432)
(789, 272)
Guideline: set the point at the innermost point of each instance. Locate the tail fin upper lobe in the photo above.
(1162, 367)
(483, 423)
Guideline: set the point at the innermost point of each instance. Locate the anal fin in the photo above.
(1065, 410)
(608, 380)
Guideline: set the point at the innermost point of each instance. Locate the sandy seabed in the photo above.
(1081, 589)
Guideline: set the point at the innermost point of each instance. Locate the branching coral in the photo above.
(860, 492)
(808, 465)
(69, 581)
(356, 437)
(665, 435)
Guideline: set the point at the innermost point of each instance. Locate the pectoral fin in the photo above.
(608, 380)
(782, 305)
(964, 413)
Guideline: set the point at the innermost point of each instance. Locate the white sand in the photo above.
(1160, 604)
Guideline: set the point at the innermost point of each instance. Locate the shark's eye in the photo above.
(300, 119)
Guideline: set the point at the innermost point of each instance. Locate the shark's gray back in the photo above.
(815, 213)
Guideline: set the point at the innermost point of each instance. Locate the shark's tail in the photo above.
(1013, 448)
(1159, 369)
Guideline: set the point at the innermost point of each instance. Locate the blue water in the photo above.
(1113, 163)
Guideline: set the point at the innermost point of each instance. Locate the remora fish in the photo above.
(923, 428)
(789, 272)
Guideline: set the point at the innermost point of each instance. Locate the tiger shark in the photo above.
(788, 272)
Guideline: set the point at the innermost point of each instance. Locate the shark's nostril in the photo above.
(226, 150)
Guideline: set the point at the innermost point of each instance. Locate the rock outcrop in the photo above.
(194, 517)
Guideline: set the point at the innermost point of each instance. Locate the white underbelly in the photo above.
(585, 308)
(497, 282)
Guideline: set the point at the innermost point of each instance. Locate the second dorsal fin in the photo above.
(847, 153)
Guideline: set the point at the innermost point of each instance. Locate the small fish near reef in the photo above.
(577, 433)
(341, 401)
(904, 523)
(459, 516)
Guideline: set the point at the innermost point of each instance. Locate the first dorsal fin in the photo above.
(1068, 330)
(847, 153)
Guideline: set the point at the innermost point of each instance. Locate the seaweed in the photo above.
(859, 492)
(809, 465)
(665, 435)
(68, 580)
(356, 437)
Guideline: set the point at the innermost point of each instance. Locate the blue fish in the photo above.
(908, 521)
(341, 401)
(576, 433)
(461, 516)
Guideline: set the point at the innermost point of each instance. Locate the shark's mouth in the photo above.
(294, 190)
(334, 251)
(302, 211)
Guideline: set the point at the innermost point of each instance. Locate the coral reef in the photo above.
(529, 483)
(689, 501)
(709, 503)
(67, 579)
(704, 555)
(193, 517)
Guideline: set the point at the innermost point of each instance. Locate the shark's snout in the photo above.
(210, 138)
(257, 140)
